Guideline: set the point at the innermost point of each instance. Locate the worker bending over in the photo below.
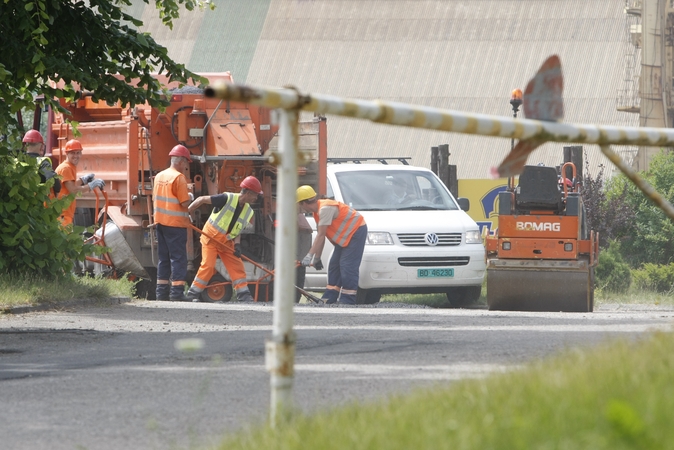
(347, 231)
(171, 199)
(221, 237)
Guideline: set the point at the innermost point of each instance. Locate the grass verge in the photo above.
(29, 290)
(615, 396)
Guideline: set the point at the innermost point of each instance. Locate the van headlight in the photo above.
(473, 237)
(379, 238)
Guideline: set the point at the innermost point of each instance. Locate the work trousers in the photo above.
(172, 248)
(210, 250)
(343, 269)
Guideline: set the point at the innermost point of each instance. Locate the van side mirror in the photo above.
(464, 203)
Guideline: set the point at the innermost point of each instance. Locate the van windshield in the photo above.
(380, 190)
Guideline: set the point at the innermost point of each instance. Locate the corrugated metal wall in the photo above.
(463, 55)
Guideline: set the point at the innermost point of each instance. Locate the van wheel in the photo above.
(460, 297)
(220, 293)
(367, 296)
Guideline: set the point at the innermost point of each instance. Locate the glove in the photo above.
(191, 196)
(97, 183)
(318, 264)
(237, 250)
(88, 178)
(308, 260)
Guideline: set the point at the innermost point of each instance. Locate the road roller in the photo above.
(542, 256)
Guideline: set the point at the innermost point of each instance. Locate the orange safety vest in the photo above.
(343, 226)
(168, 192)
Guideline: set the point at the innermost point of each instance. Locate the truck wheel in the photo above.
(220, 293)
(460, 297)
(148, 288)
(368, 296)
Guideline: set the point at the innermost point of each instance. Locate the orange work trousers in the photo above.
(210, 250)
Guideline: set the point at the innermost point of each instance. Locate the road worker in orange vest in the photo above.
(70, 183)
(221, 237)
(347, 231)
(171, 199)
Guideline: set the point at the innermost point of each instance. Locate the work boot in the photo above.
(178, 294)
(330, 296)
(162, 291)
(193, 295)
(244, 296)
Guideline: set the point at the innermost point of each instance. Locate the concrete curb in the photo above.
(54, 306)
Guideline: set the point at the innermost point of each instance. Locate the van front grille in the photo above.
(419, 239)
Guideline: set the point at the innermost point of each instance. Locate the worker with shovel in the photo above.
(347, 231)
(220, 237)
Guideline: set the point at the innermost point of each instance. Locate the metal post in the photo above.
(280, 347)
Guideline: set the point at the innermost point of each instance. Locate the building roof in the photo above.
(451, 54)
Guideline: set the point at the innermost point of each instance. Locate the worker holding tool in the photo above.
(347, 231)
(171, 199)
(33, 145)
(231, 214)
(70, 183)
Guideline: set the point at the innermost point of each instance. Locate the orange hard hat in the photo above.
(252, 184)
(33, 137)
(73, 145)
(180, 150)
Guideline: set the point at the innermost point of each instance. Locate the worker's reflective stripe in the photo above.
(333, 288)
(167, 199)
(169, 187)
(168, 212)
(220, 220)
(238, 281)
(343, 226)
(177, 283)
(200, 281)
(349, 292)
(162, 281)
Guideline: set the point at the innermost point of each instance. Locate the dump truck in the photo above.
(127, 146)
(542, 256)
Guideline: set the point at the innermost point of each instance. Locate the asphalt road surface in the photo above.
(111, 377)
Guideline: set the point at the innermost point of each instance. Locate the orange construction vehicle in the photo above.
(542, 256)
(127, 146)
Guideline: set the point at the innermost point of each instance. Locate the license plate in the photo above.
(435, 273)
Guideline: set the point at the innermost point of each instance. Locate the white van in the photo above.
(420, 240)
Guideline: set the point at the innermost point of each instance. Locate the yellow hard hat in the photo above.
(305, 193)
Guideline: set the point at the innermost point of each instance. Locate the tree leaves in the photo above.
(82, 42)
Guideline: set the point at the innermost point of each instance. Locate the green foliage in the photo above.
(608, 216)
(31, 238)
(654, 277)
(94, 44)
(648, 235)
(613, 273)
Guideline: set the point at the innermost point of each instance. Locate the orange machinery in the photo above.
(542, 256)
(127, 147)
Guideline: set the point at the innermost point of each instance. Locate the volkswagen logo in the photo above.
(431, 239)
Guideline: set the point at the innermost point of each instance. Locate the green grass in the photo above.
(615, 396)
(634, 296)
(29, 290)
